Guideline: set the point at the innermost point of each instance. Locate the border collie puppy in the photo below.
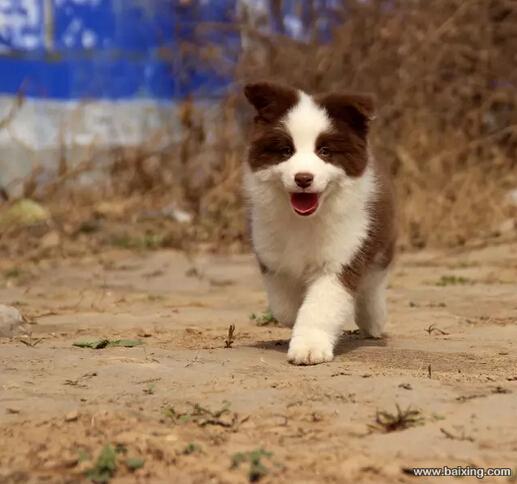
(322, 215)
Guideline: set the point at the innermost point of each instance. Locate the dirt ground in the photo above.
(196, 411)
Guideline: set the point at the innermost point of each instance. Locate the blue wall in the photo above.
(124, 49)
(113, 49)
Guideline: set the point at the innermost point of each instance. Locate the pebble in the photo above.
(72, 416)
(11, 322)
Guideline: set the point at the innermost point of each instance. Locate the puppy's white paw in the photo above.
(310, 348)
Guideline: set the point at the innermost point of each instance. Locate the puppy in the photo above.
(322, 215)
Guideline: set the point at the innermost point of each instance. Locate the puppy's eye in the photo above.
(286, 152)
(324, 152)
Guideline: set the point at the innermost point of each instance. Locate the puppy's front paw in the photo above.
(310, 348)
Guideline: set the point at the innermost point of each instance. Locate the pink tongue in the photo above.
(304, 203)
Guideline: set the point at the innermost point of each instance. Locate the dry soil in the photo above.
(193, 408)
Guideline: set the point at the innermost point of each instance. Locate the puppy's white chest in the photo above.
(301, 251)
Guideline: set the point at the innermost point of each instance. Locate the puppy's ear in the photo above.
(270, 100)
(356, 110)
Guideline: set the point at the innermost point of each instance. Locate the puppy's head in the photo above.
(307, 146)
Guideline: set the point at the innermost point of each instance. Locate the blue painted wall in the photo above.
(124, 49)
(112, 49)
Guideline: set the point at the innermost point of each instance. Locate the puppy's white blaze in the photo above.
(305, 122)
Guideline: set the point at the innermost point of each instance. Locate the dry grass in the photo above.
(443, 72)
(400, 420)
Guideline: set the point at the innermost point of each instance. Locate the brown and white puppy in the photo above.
(322, 215)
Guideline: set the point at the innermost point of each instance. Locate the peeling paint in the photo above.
(21, 24)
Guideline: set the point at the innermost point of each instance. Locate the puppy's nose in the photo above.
(303, 180)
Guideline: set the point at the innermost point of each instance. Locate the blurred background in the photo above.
(122, 122)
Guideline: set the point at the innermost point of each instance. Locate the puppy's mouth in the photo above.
(304, 203)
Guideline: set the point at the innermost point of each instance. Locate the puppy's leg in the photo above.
(284, 297)
(370, 310)
(325, 309)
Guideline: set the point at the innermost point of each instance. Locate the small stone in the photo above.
(177, 214)
(11, 322)
(72, 416)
